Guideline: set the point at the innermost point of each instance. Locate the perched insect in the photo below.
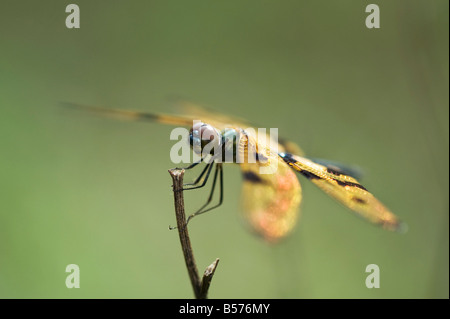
(270, 200)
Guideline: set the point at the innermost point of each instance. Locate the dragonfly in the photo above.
(270, 201)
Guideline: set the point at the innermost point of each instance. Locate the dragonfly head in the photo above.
(203, 136)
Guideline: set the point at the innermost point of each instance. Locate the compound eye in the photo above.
(206, 133)
(211, 135)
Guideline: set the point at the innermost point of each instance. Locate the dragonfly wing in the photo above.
(339, 168)
(271, 192)
(208, 115)
(221, 122)
(347, 190)
(181, 120)
(190, 112)
(270, 202)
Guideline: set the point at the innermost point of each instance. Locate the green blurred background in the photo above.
(95, 192)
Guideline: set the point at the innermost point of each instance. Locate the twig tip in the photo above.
(176, 172)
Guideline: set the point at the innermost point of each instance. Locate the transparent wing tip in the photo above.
(402, 228)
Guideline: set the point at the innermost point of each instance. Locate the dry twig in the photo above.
(200, 286)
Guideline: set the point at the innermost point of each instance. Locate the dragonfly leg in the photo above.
(200, 178)
(197, 180)
(219, 169)
(202, 210)
(207, 169)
